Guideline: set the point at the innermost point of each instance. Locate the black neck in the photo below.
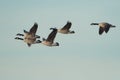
(94, 24)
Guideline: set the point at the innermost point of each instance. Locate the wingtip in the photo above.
(36, 24)
(69, 22)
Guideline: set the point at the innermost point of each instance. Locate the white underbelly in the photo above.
(63, 31)
(47, 43)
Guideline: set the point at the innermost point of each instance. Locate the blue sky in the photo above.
(84, 55)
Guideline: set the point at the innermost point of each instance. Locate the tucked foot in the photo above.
(38, 41)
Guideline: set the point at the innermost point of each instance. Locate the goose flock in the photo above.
(30, 36)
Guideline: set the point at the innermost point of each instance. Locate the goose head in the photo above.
(56, 44)
(72, 32)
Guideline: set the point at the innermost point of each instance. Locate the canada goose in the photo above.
(103, 26)
(29, 37)
(50, 40)
(66, 29)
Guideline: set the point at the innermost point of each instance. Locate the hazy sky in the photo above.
(85, 55)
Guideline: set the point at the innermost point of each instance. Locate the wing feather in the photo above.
(34, 28)
(67, 26)
(52, 35)
(101, 29)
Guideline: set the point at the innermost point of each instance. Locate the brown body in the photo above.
(30, 37)
(103, 26)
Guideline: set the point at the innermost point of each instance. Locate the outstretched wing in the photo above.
(34, 28)
(101, 29)
(52, 35)
(67, 26)
(107, 29)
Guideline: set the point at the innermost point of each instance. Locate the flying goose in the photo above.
(50, 40)
(66, 29)
(30, 37)
(103, 26)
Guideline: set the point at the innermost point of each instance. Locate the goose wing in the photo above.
(67, 26)
(107, 28)
(101, 29)
(34, 28)
(52, 35)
